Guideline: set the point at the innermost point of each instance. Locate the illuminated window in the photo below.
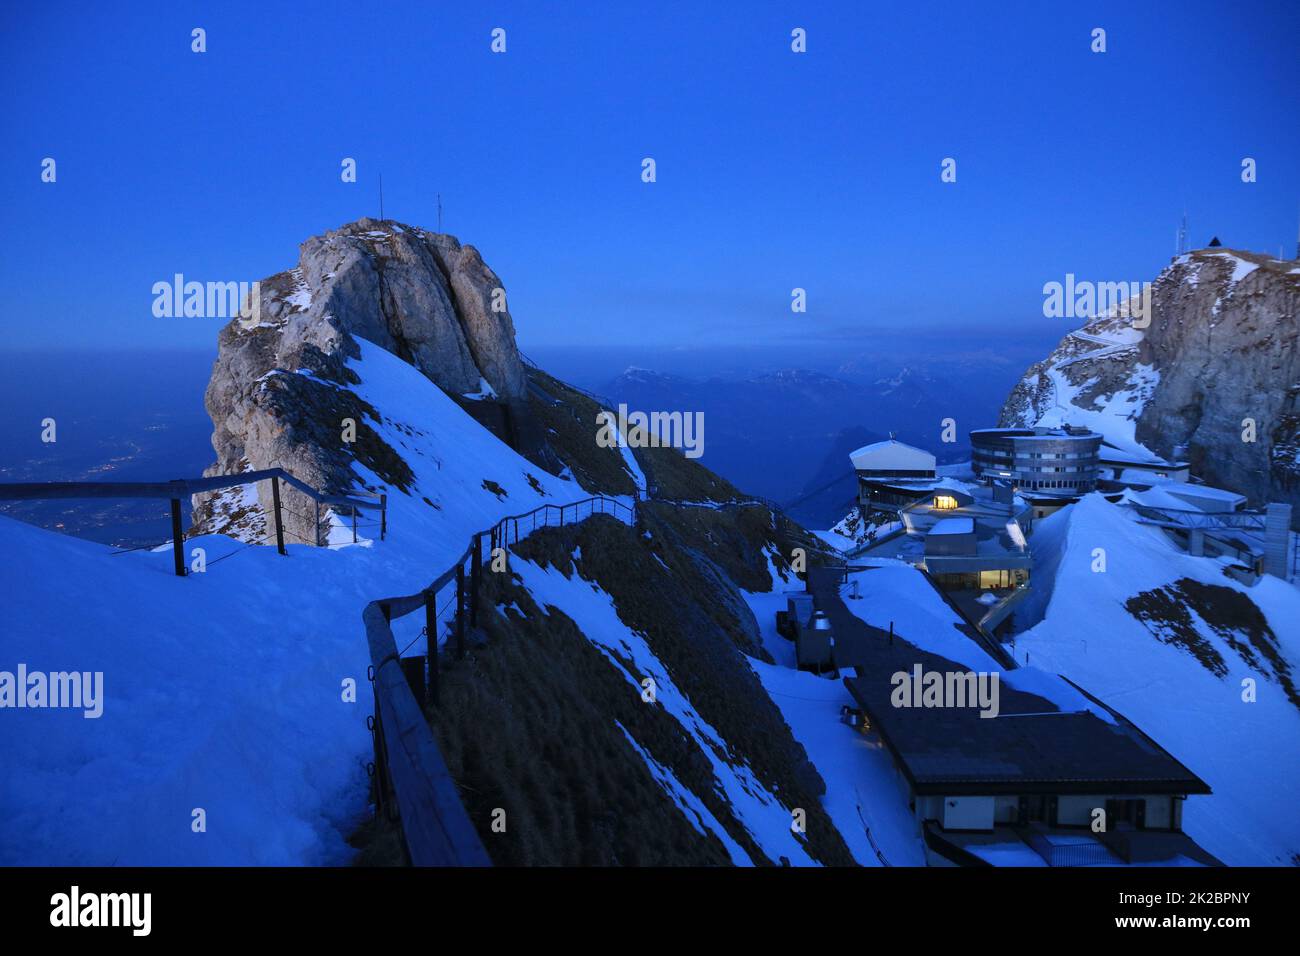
(945, 502)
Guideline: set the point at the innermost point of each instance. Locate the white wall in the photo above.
(1077, 810)
(967, 813)
(980, 813)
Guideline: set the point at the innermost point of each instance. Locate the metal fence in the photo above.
(181, 488)
(1078, 851)
(412, 785)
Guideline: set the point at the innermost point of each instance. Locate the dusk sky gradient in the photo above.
(775, 170)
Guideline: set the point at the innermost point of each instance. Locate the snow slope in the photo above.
(864, 795)
(1094, 378)
(1114, 413)
(1246, 752)
(895, 594)
(224, 689)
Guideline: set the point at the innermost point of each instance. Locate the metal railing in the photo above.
(181, 488)
(412, 785)
(987, 641)
(1196, 519)
(1078, 851)
(555, 516)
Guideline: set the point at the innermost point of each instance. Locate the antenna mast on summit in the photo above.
(1182, 235)
(440, 212)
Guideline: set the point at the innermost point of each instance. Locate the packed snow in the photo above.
(225, 690)
(865, 797)
(1246, 752)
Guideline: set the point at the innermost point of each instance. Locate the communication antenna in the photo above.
(1182, 234)
(440, 212)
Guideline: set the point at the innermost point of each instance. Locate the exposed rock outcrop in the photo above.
(422, 296)
(1222, 350)
(279, 391)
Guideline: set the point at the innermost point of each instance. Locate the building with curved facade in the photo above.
(1057, 461)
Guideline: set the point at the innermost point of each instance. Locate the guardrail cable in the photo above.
(143, 547)
(231, 554)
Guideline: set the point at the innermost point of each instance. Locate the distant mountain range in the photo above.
(785, 435)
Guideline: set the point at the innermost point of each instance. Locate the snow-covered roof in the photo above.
(1214, 498)
(1129, 456)
(891, 455)
(954, 526)
(1181, 496)
(1047, 735)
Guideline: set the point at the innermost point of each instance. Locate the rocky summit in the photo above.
(279, 394)
(1217, 366)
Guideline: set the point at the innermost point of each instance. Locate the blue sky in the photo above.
(775, 170)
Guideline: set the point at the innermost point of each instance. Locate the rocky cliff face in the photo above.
(1222, 347)
(279, 394)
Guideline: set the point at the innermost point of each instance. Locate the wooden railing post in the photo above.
(431, 642)
(460, 611)
(279, 520)
(383, 516)
(178, 545)
(475, 578)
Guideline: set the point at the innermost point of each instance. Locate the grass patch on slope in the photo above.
(1171, 613)
(529, 721)
(674, 476)
(571, 432)
(697, 626)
